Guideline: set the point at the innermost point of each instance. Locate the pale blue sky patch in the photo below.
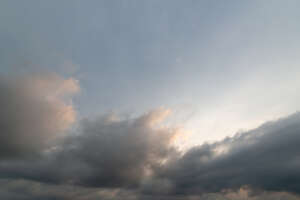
(221, 66)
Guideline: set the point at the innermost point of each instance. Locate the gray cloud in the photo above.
(34, 112)
(134, 157)
(266, 158)
(106, 152)
(31, 190)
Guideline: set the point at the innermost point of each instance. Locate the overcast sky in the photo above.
(107, 76)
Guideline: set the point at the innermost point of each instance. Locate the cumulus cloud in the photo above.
(104, 153)
(35, 110)
(266, 158)
(109, 157)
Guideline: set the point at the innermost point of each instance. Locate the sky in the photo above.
(147, 100)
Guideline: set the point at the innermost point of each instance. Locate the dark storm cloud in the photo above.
(105, 153)
(30, 190)
(33, 112)
(136, 156)
(133, 157)
(266, 158)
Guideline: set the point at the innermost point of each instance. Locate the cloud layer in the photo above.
(266, 158)
(105, 152)
(132, 158)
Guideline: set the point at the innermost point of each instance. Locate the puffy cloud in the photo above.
(104, 153)
(132, 158)
(35, 110)
(266, 158)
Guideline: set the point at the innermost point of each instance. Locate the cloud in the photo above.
(31, 190)
(35, 110)
(106, 152)
(109, 157)
(266, 158)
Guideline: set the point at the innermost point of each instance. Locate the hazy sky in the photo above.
(216, 68)
(203, 59)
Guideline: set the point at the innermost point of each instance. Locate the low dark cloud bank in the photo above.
(112, 158)
(106, 153)
(266, 158)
